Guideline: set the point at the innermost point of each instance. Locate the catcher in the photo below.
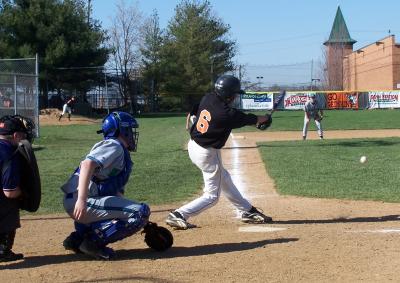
(313, 111)
(215, 121)
(94, 195)
(19, 178)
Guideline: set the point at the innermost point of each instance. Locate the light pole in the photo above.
(259, 78)
(314, 80)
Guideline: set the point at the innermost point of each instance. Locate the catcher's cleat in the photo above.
(91, 249)
(72, 242)
(255, 216)
(176, 220)
(9, 255)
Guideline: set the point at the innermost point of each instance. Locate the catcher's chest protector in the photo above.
(30, 179)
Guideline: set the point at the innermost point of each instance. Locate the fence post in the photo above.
(15, 94)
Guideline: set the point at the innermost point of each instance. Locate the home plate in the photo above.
(237, 137)
(259, 229)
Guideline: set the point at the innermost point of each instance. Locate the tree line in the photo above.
(181, 60)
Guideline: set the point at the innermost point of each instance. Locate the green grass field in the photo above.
(332, 168)
(163, 172)
(335, 120)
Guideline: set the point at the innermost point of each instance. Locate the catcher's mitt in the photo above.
(265, 125)
(157, 237)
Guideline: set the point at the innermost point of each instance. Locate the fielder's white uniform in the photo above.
(66, 109)
(311, 111)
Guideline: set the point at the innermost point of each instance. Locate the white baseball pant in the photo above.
(317, 123)
(216, 179)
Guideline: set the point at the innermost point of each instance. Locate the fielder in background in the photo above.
(313, 111)
(215, 121)
(94, 194)
(17, 179)
(67, 108)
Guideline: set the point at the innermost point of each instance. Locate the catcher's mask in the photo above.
(121, 123)
(227, 87)
(10, 124)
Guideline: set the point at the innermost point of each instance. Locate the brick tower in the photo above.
(338, 46)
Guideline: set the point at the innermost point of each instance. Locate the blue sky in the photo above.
(281, 32)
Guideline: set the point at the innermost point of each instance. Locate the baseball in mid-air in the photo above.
(363, 159)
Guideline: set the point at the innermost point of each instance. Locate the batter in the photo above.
(215, 121)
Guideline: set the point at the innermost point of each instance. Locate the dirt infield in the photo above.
(311, 240)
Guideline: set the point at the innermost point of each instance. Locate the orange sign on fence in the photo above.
(340, 100)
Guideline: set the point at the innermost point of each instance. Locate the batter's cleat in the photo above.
(176, 220)
(255, 216)
(9, 255)
(91, 249)
(72, 242)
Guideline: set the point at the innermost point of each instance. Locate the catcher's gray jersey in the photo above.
(109, 155)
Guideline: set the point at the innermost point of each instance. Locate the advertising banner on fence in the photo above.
(296, 101)
(383, 99)
(342, 100)
(254, 101)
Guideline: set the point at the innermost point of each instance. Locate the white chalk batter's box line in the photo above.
(260, 229)
(383, 231)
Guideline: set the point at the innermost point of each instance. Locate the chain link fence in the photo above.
(19, 88)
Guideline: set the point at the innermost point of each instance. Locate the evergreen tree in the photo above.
(60, 33)
(151, 58)
(197, 50)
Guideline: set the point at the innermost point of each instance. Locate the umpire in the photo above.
(14, 133)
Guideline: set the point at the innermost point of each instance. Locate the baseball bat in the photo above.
(274, 106)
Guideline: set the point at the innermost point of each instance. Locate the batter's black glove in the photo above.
(265, 125)
(157, 237)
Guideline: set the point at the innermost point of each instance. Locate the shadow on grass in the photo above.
(342, 220)
(174, 252)
(364, 143)
(331, 143)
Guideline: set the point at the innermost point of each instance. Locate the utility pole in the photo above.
(88, 11)
(312, 63)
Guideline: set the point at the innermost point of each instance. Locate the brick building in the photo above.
(372, 67)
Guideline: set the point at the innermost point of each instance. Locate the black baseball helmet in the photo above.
(228, 87)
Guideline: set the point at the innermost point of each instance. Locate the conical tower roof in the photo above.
(339, 32)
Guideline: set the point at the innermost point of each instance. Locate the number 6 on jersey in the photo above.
(202, 123)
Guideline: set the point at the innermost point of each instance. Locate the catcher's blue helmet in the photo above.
(121, 123)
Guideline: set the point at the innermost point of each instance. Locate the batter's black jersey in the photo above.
(215, 121)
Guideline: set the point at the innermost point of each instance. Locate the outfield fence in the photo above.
(381, 99)
(19, 88)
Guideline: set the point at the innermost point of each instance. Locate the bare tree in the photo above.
(125, 41)
(322, 69)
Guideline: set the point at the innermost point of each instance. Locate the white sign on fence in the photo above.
(383, 99)
(253, 101)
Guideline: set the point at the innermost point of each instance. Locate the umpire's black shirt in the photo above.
(215, 121)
